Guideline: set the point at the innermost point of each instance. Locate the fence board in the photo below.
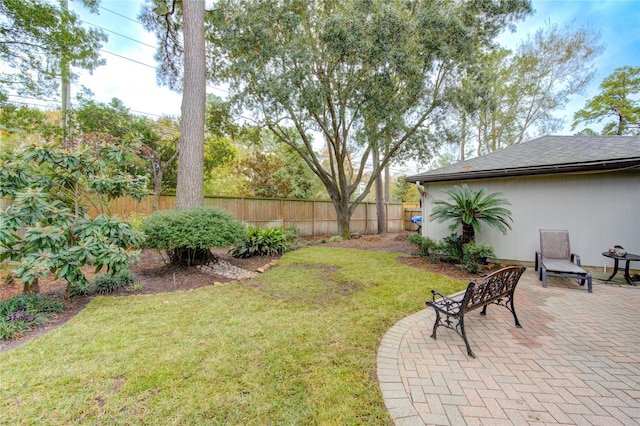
(407, 215)
(309, 217)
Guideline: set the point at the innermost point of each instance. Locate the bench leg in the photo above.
(484, 310)
(464, 337)
(509, 307)
(435, 324)
(543, 276)
(513, 311)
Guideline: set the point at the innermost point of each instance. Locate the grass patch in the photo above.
(296, 345)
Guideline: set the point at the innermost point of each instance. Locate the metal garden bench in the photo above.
(496, 288)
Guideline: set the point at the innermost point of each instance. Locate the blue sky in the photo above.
(618, 22)
(133, 80)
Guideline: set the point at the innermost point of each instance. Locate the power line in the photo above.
(118, 34)
(154, 67)
(33, 103)
(122, 16)
(35, 99)
(137, 41)
(128, 59)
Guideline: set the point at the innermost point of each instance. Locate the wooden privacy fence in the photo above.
(309, 217)
(407, 215)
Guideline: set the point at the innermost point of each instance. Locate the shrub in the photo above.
(187, 235)
(135, 287)
(108, 283)
(23, 312)
(426, 247)
(475, 254)
(81, 288)
(262, 242)
(452, 247)
(415, 239)
(103, 284)
(469, 208)
(135, 219)
(46, 229)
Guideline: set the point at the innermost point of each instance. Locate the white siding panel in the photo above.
(599, 210)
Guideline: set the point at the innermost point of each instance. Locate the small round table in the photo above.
(628, 258)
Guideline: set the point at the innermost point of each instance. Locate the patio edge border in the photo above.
(397, 400)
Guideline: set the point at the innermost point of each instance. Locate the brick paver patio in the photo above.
(575, 361)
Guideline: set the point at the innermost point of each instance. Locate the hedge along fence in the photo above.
(309, 217)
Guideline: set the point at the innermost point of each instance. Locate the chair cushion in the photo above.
(554, 244)
(554, 265)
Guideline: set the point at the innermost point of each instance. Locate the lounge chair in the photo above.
(555, 258)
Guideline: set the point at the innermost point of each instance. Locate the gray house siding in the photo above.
(599, 209)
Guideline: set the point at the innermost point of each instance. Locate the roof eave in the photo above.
(529, 171)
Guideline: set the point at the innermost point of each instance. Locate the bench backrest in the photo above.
(492, 287)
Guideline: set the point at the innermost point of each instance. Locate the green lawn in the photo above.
(296, 345)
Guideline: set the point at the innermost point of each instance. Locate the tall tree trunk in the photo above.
(381, 214)
(620, 125)
(343, 215)
(463, 136)
(190, 186)
(387, 180)
(157, 189)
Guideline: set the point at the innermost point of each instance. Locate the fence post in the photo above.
(366, 218)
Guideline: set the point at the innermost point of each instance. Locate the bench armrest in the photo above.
(445, 303)
(435, 293)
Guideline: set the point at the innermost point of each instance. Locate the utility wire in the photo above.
(33, 103)
(35, 99)
(128, 59)
(118, 55)
(154, 67)
(137, 41)
(118, 34)
(122, 16)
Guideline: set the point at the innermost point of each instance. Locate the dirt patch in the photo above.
(154, 275)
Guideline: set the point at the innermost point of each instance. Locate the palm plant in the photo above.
(468, 208)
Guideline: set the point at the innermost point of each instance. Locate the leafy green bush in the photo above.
(135, 219)
(452, 247)
(187, 235)
(476, 254)
(108, 283)
(103, 284)
(415, 239)
(426, 247)
(26, 311)
(262, 242)
(81, 288)
(46, 229)
(470, 208)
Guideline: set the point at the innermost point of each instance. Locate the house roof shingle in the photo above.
(544, 155)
